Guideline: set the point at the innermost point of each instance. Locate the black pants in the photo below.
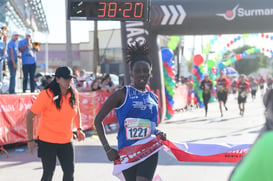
(144, 169)
(29, 69)
(206, 98)
(48, 152)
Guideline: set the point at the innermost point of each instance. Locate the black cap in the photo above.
(64, 72)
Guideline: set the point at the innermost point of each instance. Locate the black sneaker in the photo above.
(226, 108)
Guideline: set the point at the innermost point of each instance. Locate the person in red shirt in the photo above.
(206, 86)
(58, 104)
(261, 84)
(222, 89)
(243, 89)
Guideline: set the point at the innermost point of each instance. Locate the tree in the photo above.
(251, 63)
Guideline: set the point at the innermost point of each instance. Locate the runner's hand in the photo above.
(162, 135)
(80, 135)
(112, 154)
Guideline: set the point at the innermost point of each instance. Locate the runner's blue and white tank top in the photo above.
(137, 116)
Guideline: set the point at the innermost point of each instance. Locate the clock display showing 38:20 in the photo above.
(120, 9)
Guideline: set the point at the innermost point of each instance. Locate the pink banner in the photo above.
(13, 110)
(180, 97)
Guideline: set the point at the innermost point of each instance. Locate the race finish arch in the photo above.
(179, 17)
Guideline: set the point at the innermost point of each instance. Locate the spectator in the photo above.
(95, 85)
(46, 80)
(104, 85)
(28, 61)
(107, 84)
(3, 44)
(12, 60)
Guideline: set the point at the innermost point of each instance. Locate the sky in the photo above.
(55, 13)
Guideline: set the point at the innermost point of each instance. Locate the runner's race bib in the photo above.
(220, 88)
(137, 128)
(243, 94)
(207, 87)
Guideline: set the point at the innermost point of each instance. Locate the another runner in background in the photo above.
(243, 89)
(222, 89)
(206, 86)
(137, 113)
(233, 86)
(253, 87)
(261, 84)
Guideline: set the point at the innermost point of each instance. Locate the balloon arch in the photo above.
(214, 65)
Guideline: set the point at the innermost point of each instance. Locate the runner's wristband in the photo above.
(105, 145)
(79, 129)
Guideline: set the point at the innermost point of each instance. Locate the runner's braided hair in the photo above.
(54, 87)
(137, 52)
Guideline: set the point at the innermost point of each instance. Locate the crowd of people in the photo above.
(83, 82)
(25, 50)
(14, 49)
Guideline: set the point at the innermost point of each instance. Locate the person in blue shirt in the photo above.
(137, 112)
(28, 61)
(3, 44)
(12, 60)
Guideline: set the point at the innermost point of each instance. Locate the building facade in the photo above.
(110, 53)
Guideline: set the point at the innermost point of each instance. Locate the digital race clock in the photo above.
(115, 10)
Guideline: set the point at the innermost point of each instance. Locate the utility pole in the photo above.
(95, 49)
(69, 58)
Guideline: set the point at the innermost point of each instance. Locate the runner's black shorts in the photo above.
(253, 92)
(144, 169)
(222, 96)
(241, 99)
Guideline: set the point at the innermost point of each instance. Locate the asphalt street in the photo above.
(185, 126)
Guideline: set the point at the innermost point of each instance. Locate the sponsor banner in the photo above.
(210, 17)
(13, 110)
